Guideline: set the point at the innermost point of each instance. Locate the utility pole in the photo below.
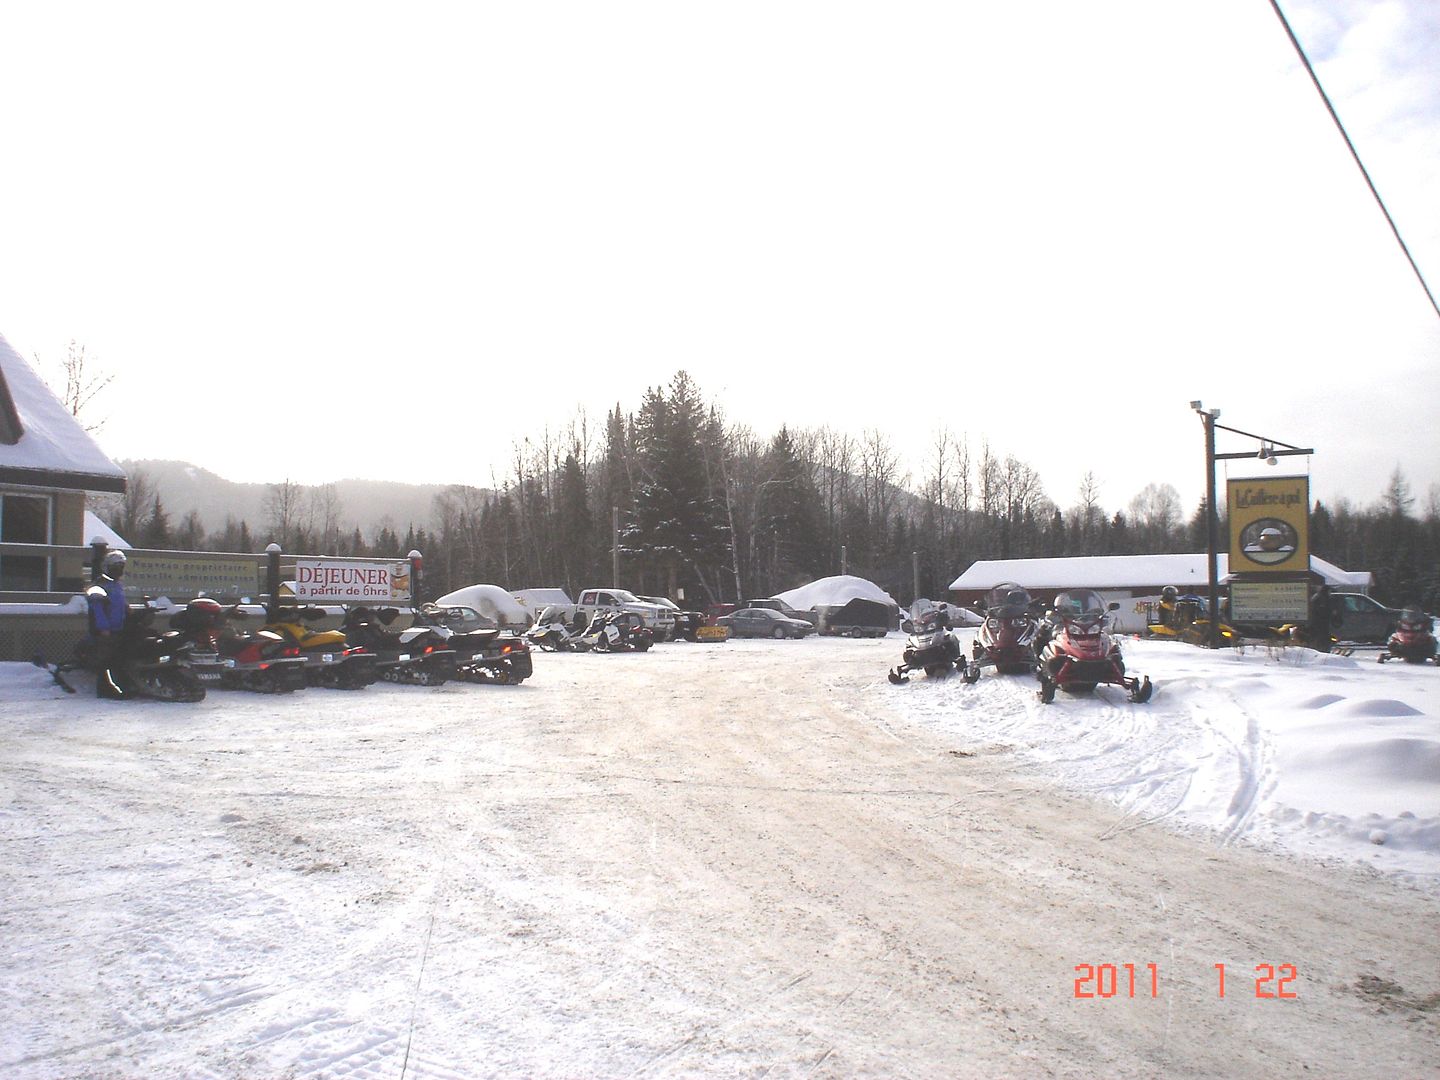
(915, 575)
(1212, 530)
(614, 547)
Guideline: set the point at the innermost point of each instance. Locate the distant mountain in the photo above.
(364, 504)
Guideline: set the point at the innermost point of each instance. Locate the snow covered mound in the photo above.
(1318, 754)
(835, 591)
(491, 601)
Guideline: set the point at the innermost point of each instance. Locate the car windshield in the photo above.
(465, 619)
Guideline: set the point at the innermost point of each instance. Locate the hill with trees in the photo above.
(705, 504)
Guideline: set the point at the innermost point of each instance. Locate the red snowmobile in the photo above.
(1079, 654)
(1006, 638)
(1413, 640)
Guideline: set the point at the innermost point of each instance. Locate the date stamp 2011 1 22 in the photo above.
(1271, 981)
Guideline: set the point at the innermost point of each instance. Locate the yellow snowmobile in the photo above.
(1185, 618)
(330, 660)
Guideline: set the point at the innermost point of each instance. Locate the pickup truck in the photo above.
(659, 619)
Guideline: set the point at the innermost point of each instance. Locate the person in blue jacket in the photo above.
(107, 620)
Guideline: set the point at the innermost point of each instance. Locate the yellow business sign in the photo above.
(1270, 525)
(183, 575)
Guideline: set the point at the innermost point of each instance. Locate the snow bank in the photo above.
(491, 601)
(1322, 755)
(835, 591)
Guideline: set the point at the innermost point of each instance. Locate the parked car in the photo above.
(686, 622)
(1357, 617)
(772, 604)
(714, 612)
(764, 622)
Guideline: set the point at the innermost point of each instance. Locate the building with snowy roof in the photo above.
(48, 463)
(1132, 580)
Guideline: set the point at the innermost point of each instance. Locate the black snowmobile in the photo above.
(931, 646)
(417, 655)
(483, 651)
(141, 661)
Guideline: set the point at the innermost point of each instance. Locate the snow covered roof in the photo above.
(1185, 572)
(41, 444)
(95, 529)
(834, 591)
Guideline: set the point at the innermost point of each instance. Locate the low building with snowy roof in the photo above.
(1134, 581)
(48, 462)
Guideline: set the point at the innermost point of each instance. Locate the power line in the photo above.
(1345, 135)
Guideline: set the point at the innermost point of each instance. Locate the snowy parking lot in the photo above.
(749, 858)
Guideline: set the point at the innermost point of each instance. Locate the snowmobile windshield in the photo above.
(1082, 604)
(1007, 600)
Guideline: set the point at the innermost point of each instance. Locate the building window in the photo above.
(25, 519)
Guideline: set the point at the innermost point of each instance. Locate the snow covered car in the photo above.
(764, 622)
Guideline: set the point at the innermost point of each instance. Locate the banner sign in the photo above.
(1269, 525)
(183, 575)
(337, 581)
(1269, 601)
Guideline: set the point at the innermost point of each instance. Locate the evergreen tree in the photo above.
(789, 523)
(155, 533)
(678, 526)
(575, 530)
(190, 536)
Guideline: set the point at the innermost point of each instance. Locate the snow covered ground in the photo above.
(751, 858)
(1324, 755)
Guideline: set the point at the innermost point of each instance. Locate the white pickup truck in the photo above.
(659, 619)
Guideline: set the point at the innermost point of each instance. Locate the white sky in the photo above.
(330, 240)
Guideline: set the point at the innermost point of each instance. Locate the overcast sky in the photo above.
(351, 239)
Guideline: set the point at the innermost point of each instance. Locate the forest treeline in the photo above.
(707, 510)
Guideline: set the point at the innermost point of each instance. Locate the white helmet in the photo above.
(114, 564)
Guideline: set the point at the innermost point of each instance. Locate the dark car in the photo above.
(785, 609)
(1357, 617)
(764, 622)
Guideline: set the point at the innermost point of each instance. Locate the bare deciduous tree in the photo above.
(83, 382)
